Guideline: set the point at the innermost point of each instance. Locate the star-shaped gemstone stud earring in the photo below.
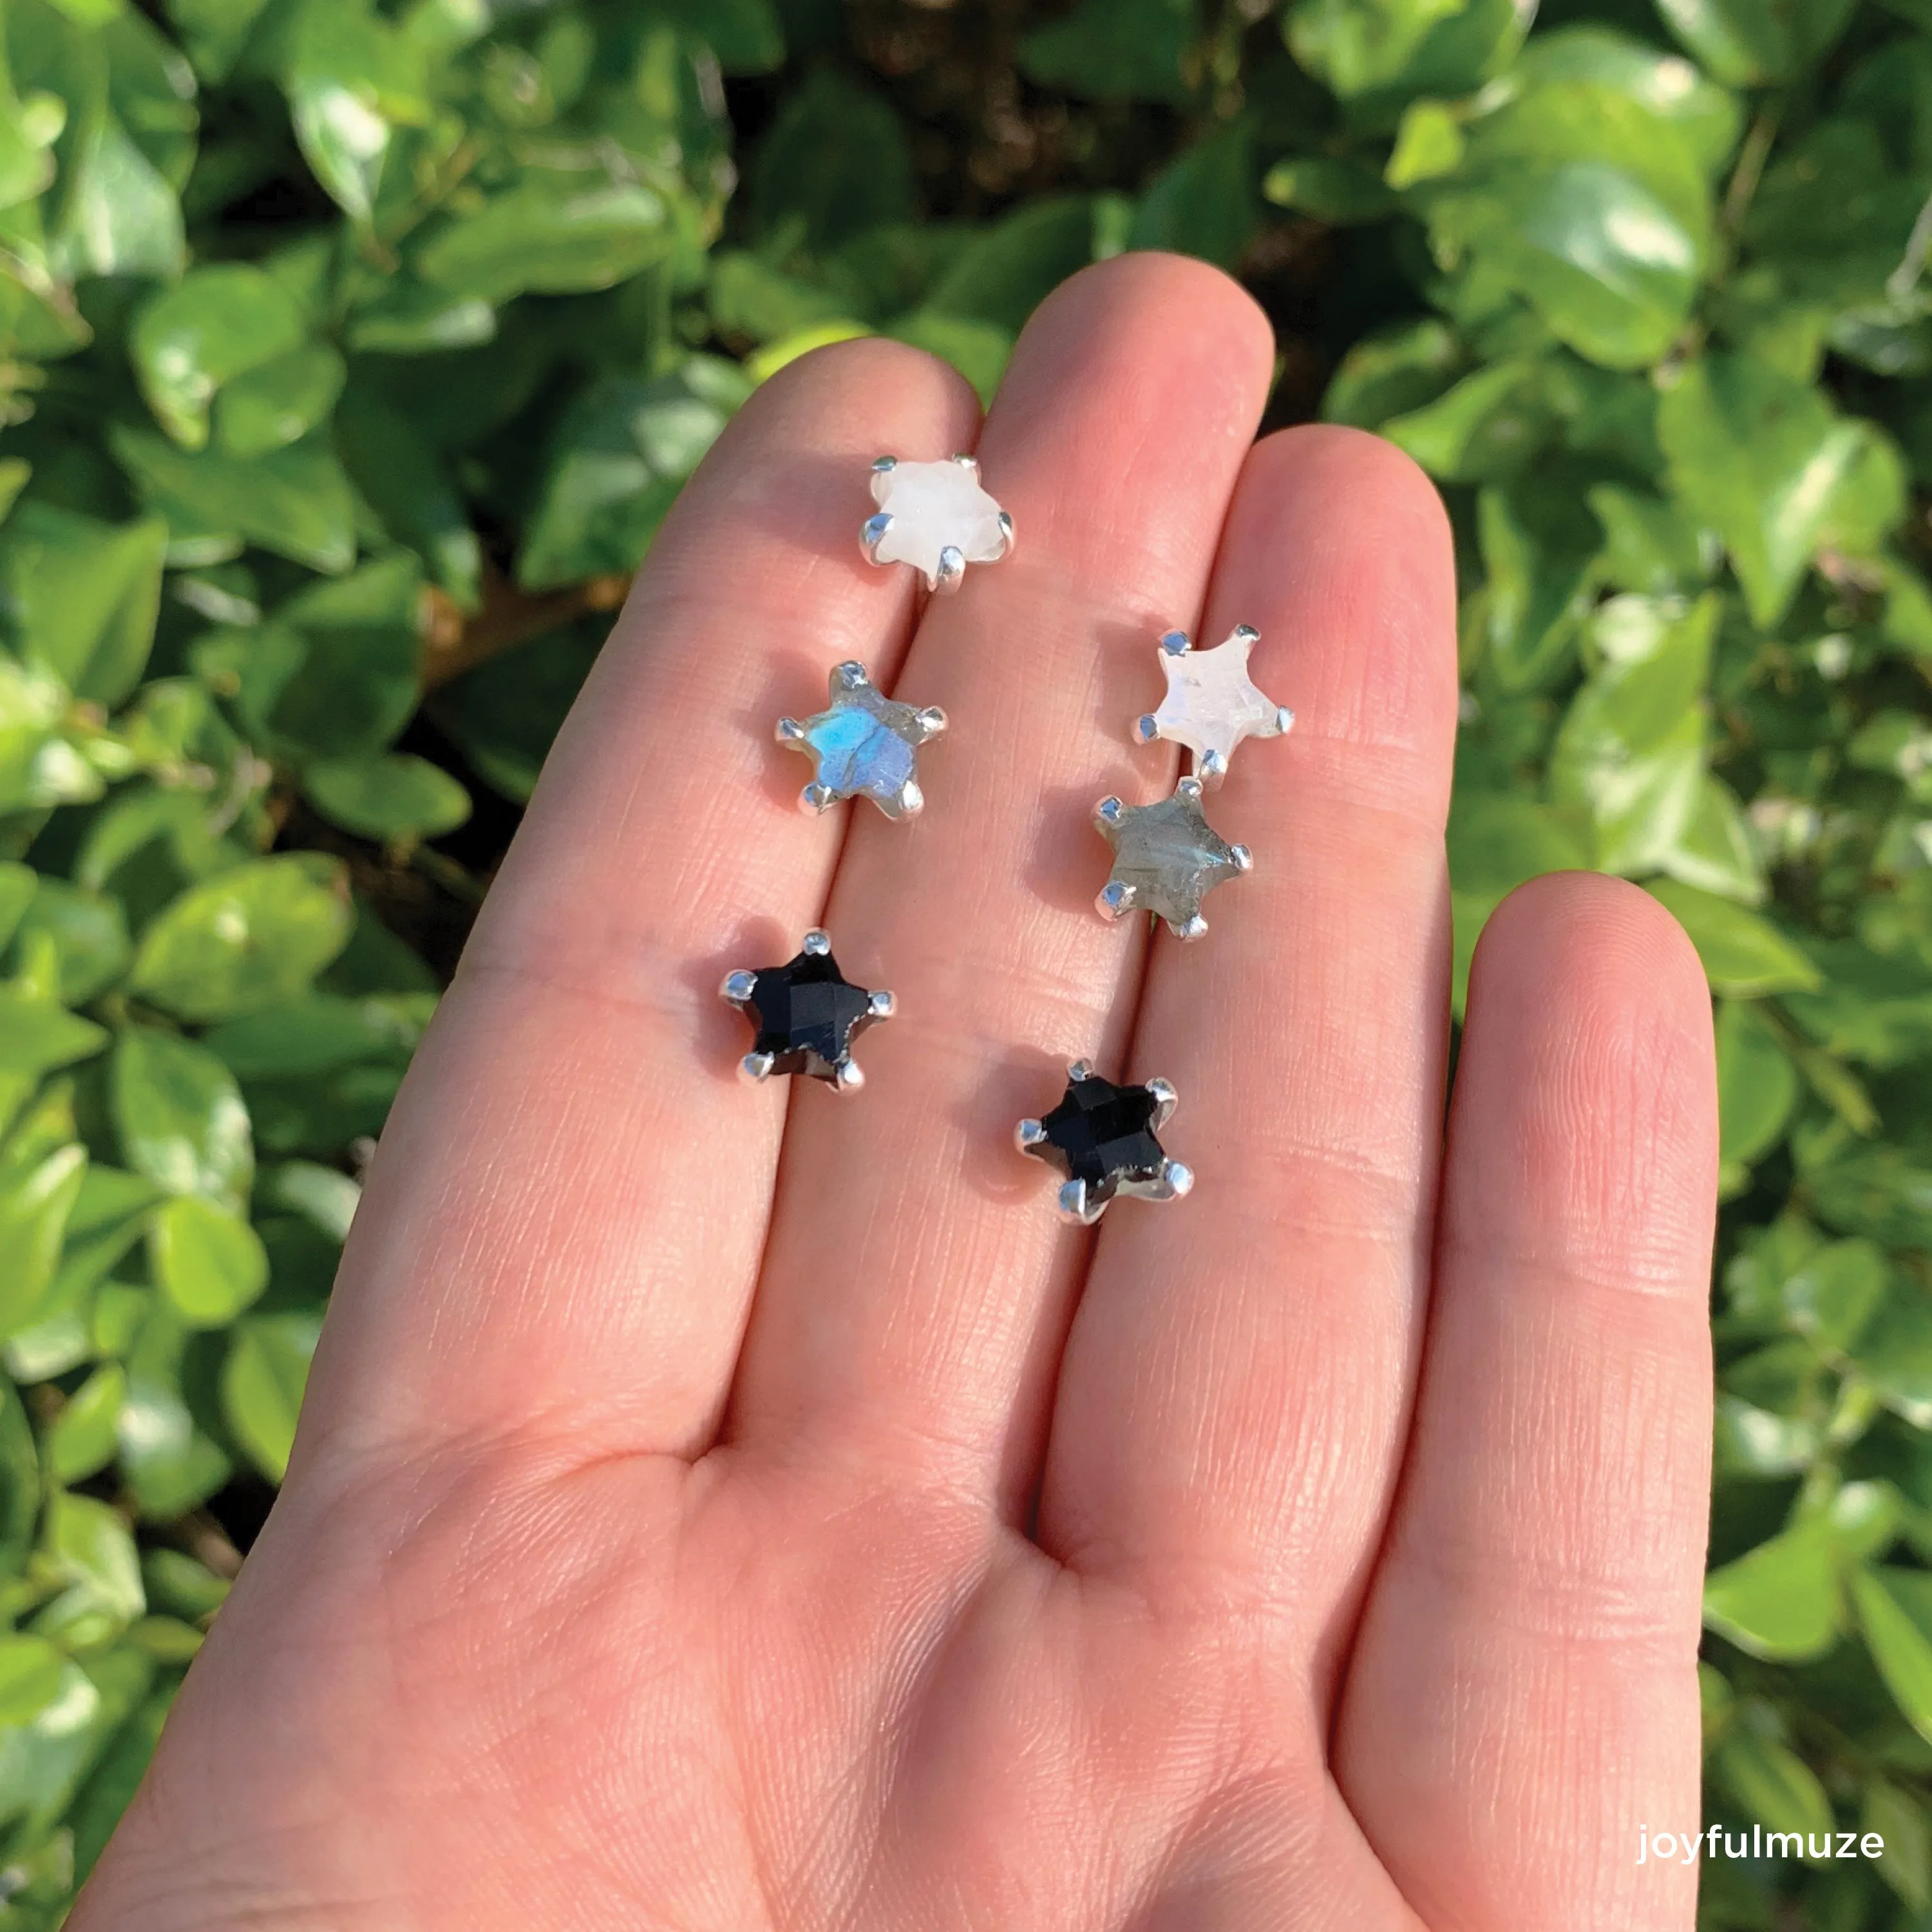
(865, 746)
(1102, 1137)
(806, 1015)
(1167, 858)
(935, 516)
(1212, 703)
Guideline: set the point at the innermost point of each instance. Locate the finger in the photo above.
(1237, 1381)
(563, 1224)
(1523, 1694)
(907, 1299)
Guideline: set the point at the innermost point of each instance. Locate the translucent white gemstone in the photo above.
(935, 507)
(1212, 704)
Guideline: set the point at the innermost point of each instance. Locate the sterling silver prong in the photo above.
(1189, 788)
(1166, 1099)
(1078, 1070)
(1072, 1204)
(1110, 811)
(882, 1005)
(755, 1067)
(1192, 929)
(1147, 727)
(883, 466)
(816, 942)
(1284, 720)
(816, 798)
(952, 570)
(873, 534)
(1176, 643)
(1213, 767)
(1028, 1134)
(932, 720)
(738, 986)
(851, 675)
(1243, 859)
(966, 462)
(849, 1078)
(1174, 1179)
(911, 802)
(1115, 900)
(1247, 634)
(789, 731)
(1007, 532)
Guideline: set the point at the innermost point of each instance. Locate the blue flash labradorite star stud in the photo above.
(1212, 704)
(865, 746)
(1102, 1137)
(1167, 858)
(805, 1015)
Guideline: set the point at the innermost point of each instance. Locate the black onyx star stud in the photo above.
(1102, 1137)
(865, 746)
(1167, 858)
(807, 1014)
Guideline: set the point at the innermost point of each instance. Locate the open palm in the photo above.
(722, 1509)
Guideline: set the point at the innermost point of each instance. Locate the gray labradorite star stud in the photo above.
(806, 1014)
(865, 745)
(1212, 703)
(935, 516)
(1102, 1137)
(1167, 858)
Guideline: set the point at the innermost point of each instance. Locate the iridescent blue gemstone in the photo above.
(859, 752)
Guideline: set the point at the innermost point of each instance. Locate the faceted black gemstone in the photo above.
(808, 1015)
(1103, 1134)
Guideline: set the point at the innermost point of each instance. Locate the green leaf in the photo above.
(295, 501)
(262, 1386)
(1630, 750)
(1649, 545)
(215, 32)
(30, 1671)
(170, 1464)
(87, 1547)
(1782, 1600)
(81, 1442)
(554, 233)
(1340, 192)
(351, 79)
(1760, 459)
(1757, 1088)
(209, 1265)
(34, 1209)
(1715, 851)
(619, 457)
(278, 402)
(1900, 1823)
(1745, 955)
(392, 797)
(245, 938)
(978, 350)
(1482, 427)
(1428, 142)
(83, 596)
(1895, 1350)
(1358, 46)
(1774, 1785)
(1747, 42)
(836, 162)
(1538, 546)
(746, 35)
(1893, 1609)
(1203, 203)
(403, 479)
(213, 325)
(505, 714)
(1007, 270)
(1114, 50)
(1663, 85)
(180, 1117)
(88, 933)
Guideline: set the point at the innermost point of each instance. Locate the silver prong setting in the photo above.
(1284, 720)
(910, 802)
(1029, 1135)
(1109, 811)
(969, 463)
(882, 1005)
(1147, 728)
(1189, 788)
(755, 1069)
(1247, 634)
(1073, 1203)
(1078, 1070)
(1174, 1179)
(952, 570)
(1243, 860)
(850, 676)
(1007, 538)
(1115, 900)
(932, 720)
(1213, 768)
(817, 798)
(789, 731)
(1166, 1099)
(884, 466)
(1189, 930)
(873, 534)
(738, 987)
(849, 1077)
(1175, 644)
(817, 943)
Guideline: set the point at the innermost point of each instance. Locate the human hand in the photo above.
(723, 1509)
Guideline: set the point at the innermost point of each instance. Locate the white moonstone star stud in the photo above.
(935, 516)
(865, 746)
(1212, 703)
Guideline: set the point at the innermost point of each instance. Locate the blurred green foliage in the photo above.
(350, 354)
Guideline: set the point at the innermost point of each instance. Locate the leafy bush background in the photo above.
(350, 354)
